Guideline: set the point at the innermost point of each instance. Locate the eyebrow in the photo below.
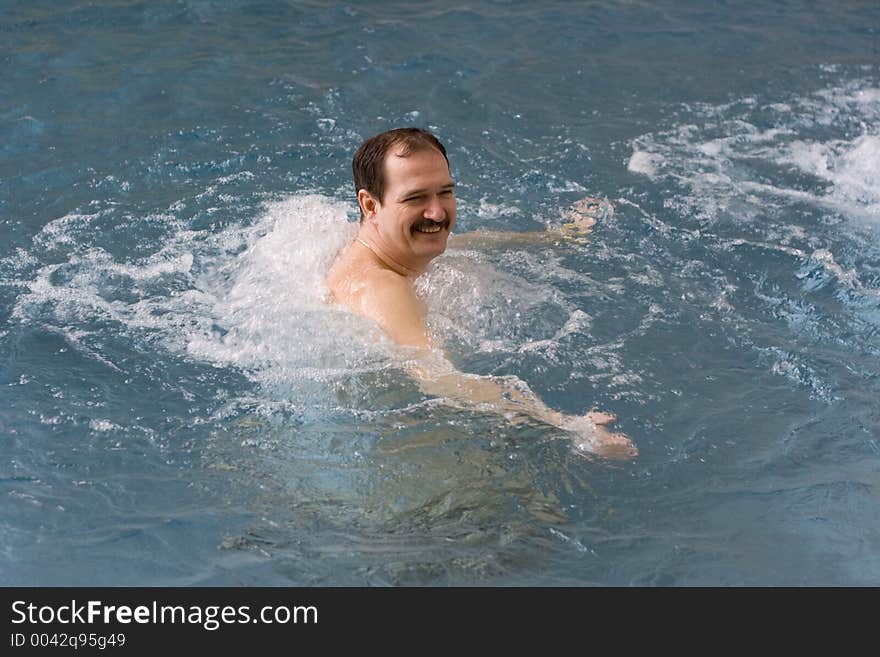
(418, 192)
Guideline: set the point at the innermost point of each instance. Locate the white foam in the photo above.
(494, 210)
(734, 167)
(252, 298)
(103, 425)
(645, 163)
(269, 301)
(479, 304)
(59, 232)
(247, 296)
(848, 278)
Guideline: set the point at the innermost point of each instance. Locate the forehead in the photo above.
(419, 168)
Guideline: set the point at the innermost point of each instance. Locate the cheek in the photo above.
(403, 223)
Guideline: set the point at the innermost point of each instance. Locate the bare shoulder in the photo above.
(387, 289)
(340, 278)
(390, 300)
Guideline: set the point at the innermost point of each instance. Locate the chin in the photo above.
(430, 242)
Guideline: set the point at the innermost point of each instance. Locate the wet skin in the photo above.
(399, 236)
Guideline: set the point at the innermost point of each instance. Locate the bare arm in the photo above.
(388, 298)
(395, 307)
(512, 398)
(577, 223)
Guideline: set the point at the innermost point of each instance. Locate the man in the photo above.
(407, 201)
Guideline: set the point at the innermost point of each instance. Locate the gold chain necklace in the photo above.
(406, 271)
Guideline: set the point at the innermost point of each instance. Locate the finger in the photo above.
(600, 417)
(618, 446)
(609, 445)
(587, 203)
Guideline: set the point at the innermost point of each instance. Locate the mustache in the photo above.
(427, 223)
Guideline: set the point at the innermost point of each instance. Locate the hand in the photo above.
(585, 213)
(592, 436)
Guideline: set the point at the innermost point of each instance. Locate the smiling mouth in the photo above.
(427, 227)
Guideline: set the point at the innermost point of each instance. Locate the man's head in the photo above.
(368, 165)
(406, 195)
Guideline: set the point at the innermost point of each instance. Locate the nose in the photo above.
(435, 210)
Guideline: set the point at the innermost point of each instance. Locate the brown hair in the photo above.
(368, 165)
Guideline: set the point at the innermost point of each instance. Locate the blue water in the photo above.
(179, 407)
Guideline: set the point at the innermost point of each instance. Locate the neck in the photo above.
(384, 259)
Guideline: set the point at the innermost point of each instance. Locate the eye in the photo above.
(446, 192)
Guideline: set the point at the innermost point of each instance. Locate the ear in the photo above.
(369, 205)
